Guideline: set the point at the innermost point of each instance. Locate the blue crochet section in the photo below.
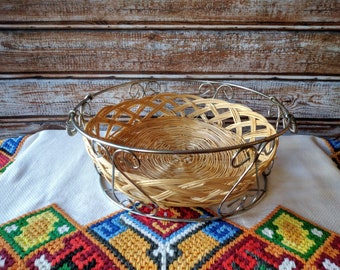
(335, 143)
(10, 145)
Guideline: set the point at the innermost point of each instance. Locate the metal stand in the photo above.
(227, 207)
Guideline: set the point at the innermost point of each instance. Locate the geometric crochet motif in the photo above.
(10, 145)
(50, 239)
(293, 234)
(30, 232)
(316, 247)
(328, 256)
(139, 241)
(252, 252)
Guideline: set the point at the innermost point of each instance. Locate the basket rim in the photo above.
(73, 114)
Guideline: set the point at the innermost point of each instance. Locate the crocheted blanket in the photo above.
(50, 239)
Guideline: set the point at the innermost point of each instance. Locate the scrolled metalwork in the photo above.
(76, 117)
(266, 148)
(142, 89)
(224, 91)
(252, 156)
(246, 201)
(136, 90)
(130, 159)
(235, 162)
(70, 128)
(100, 150)
(206, 89)
(284, 117)
(263, 147)
(212, 90)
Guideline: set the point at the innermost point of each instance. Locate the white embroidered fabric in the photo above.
(52, 167)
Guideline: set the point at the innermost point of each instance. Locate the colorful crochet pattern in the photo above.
(50, 239)
(8, 150)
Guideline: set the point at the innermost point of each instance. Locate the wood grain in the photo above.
(43, 97)
(254, 52)
(53, 53)
(27, 126)
(47, 101)
(170, 12)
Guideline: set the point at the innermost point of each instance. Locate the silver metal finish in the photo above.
(126, 156)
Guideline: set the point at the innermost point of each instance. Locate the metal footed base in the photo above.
(224, 210)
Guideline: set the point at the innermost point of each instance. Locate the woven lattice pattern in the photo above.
(173, 122)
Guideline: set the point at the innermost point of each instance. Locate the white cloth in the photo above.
(52, 167)
(305, 180)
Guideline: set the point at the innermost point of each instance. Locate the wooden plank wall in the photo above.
(53, 53)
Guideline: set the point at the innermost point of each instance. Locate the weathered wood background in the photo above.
(53, 53)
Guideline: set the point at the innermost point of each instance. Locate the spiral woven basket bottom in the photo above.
(191, 179)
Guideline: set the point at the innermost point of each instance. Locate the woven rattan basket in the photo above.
(180, 150)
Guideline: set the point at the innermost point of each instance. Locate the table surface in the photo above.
(52, 167)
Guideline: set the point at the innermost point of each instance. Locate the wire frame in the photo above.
(113, 139)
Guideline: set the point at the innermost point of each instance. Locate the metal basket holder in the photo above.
(283, 119)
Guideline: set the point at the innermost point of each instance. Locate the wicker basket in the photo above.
(180, 150)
